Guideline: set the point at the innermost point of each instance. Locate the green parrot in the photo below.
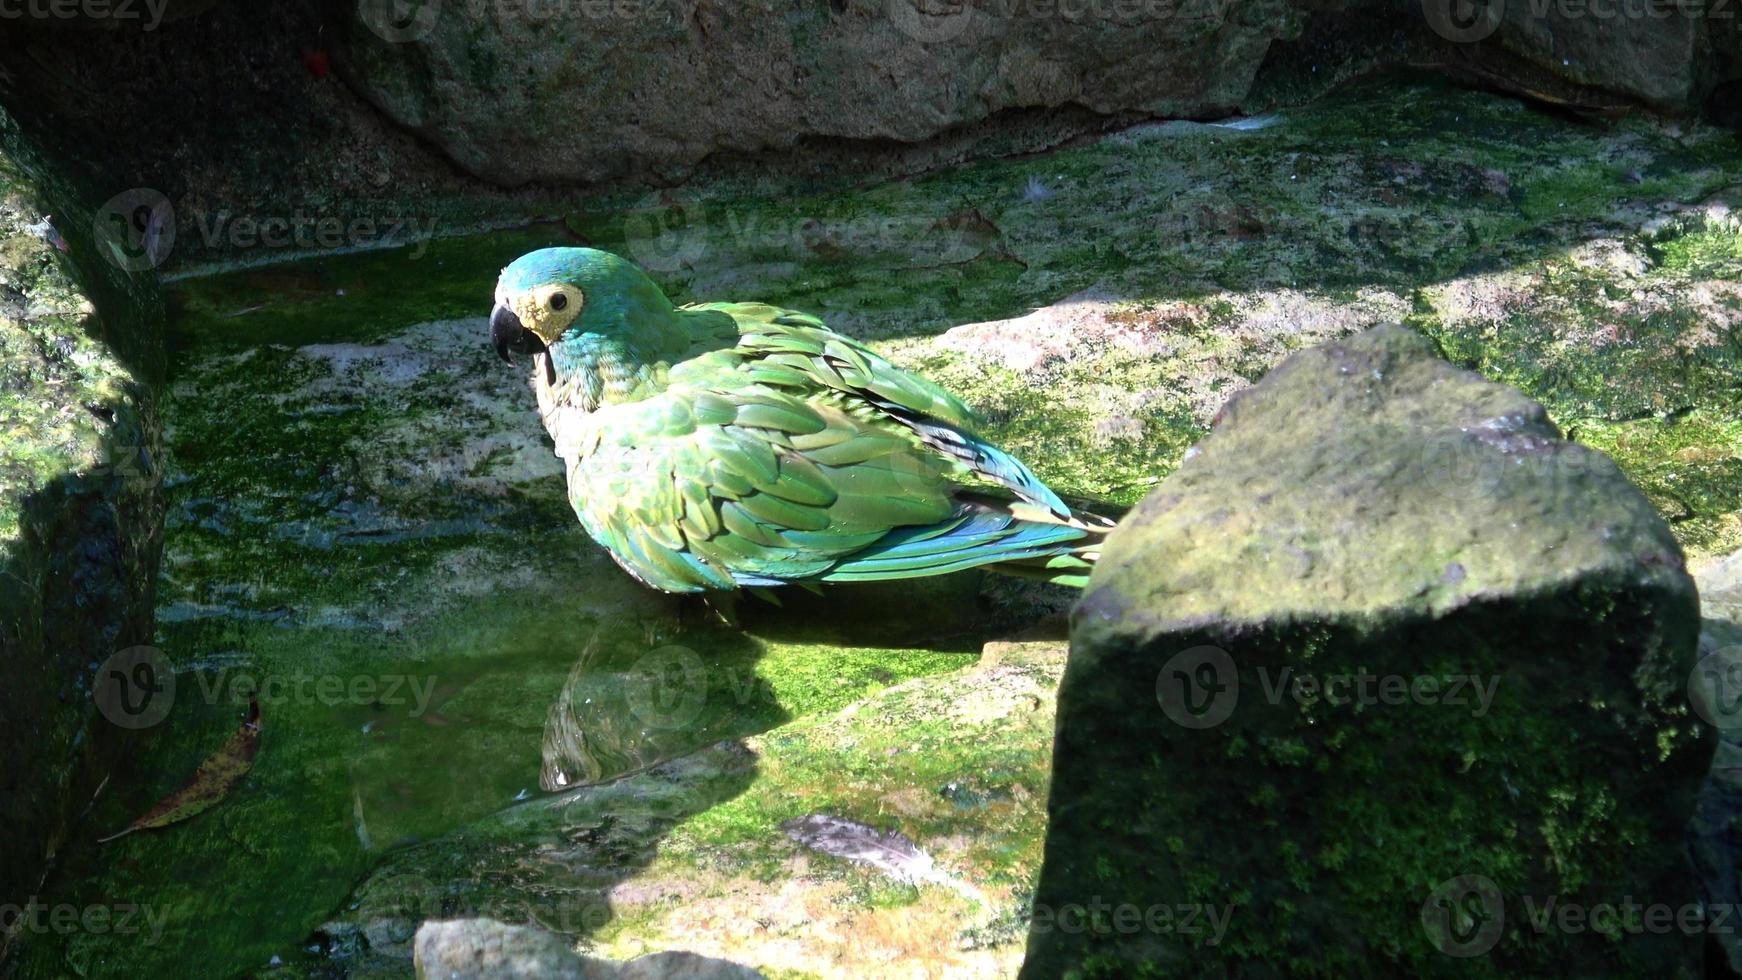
(721, 446)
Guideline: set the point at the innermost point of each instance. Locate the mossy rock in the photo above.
(81, 506)
(1384, 646)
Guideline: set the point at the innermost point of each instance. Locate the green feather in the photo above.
(746, 455)
(699, 515)
(791, 417)
(802, 482)
(858, 449)
(727, 481)
(769, 509)
(887, 512)
(742, 523)
(713, 409)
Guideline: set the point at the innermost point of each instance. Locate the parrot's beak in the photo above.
(508, 334)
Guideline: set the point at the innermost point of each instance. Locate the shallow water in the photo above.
(368, 534)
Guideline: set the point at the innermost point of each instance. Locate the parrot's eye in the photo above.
(558, 301)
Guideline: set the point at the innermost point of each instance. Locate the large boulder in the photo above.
(1598, 53)
(650, 88)
(1386, 677)
(81, 507)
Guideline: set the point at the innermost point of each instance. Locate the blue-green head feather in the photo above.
(583, 310)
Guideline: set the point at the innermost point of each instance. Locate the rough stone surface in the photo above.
(485, 949)
(1720, 582)
(1378, 525)
(80, 503)
(475, 949)
(1596, 54)
(651, 88)
(677, 965)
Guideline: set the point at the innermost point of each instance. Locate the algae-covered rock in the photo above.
(80, 504)
(1386, 678)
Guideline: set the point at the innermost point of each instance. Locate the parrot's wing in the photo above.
(799, 352)
(696, 490)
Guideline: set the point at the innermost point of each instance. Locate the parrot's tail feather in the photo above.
(1007, 536)
(983, 458)
(1069, 567)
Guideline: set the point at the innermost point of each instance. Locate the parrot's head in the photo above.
(577, 306)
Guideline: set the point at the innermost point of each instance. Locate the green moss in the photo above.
(1085, 444)
(1706, 248)
(1689, 465)
(817, 679)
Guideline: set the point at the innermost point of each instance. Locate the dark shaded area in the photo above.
(1325, 831)
(77, 586)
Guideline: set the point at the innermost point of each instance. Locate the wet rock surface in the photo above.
(1384, 636)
